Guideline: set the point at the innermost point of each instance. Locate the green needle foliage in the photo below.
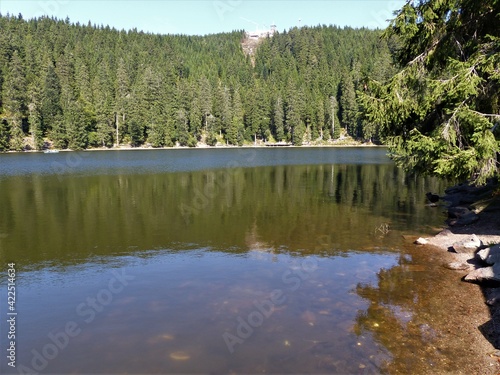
(440, 113)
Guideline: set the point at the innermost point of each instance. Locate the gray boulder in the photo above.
(491, 273)
(490, 255)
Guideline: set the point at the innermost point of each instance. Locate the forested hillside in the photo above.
(82, 86)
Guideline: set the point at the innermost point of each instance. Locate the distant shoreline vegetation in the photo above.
(73, 86)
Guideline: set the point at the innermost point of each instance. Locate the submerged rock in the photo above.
(458, 266)
(179, 356)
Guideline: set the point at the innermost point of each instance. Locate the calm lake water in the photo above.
(214, 261)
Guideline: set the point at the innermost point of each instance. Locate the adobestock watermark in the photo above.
(382, 16)
(201, 197)
(51, 7)
(293, 278)
(222, 7)
(72, 160)
(88, 311)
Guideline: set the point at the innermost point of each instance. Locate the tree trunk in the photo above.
(117, 134)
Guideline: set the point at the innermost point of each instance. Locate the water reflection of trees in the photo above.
(289, 206)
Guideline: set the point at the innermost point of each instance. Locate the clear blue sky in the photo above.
(209, 16)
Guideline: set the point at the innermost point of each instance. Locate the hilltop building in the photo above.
(257, 34)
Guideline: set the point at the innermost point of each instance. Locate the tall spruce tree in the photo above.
(205, 97)
(348, 105)
(35, 115)
(4, 136)
(75, 124)
(182, 128)
(103, 114)
(122, 96)
(440, 114)
(331, 104)
(320, 120)
(235, 130)
(14, 101)
(51, 90)
(294, 120)
(278, 120)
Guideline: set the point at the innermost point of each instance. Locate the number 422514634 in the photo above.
(11, 287)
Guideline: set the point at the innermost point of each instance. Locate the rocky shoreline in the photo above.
(473, 239)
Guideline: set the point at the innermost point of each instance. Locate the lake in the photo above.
(217, 261)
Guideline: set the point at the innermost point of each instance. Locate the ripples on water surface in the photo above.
(234, 260)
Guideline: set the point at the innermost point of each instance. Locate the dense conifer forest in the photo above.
(79, 86)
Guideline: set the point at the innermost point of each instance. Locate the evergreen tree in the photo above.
(51, 91)
(75, 126)
(85, 88)
(278, 120)
(320, 121)
(294, 121)
(331, 104)
(14, 101)
(122, 95)
(252, 114)
(155, 127)
(222, 110)
(58, 132)
(257, 112)
(104, 114)
(4, 136)
(440, 113)
(348, 106)
(183, 136)
(196, 118)
(235, 130)
(35, 115)
(147, 112)
(65, 70)
(205, 97)
(135, 130)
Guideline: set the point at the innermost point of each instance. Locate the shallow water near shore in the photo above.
(221, 261)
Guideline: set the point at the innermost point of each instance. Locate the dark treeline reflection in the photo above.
(308, 209)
